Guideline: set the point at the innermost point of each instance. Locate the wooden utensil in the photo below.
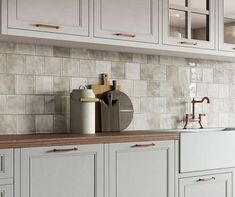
(110, 119)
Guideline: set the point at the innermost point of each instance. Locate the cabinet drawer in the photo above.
(6, 190)
(6, 163)
(214, 185)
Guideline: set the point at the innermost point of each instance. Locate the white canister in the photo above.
(82, 111)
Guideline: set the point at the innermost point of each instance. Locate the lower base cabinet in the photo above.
(144, 169)
(6, 190)
(217, 185)
(138, 169)
(71, 171)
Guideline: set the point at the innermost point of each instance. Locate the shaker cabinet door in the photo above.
(71, 171)
(133, 20)
(55, 16)
(141, 169)
(218, 185)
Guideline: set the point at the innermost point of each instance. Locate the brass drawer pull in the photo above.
(188, 43)
(47, 26)
(125, 35)
(89, 100)
(143, 145)
(63, 150)
(206, 179)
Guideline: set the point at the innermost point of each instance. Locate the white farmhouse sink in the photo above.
(207, 150)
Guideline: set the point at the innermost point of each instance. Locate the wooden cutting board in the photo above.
(100, 89)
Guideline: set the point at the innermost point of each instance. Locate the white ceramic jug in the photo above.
(82, 111)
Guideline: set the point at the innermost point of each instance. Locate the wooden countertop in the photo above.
(38, 140)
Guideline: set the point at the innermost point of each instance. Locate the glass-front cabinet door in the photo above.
(189, 23)
(227, 25)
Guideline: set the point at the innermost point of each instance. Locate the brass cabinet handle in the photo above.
(47, 26)
(63, 150)
(143, 145)
(188, 43)
(206, 179)
(89, 100)
(125, 35)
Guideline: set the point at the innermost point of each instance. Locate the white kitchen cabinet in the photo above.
(141, 169)
(6, 190)
(132, 20)
(226, 25)
(62, 171)
(54, 16)
(6, 163)
(189, 23)
(215, 185)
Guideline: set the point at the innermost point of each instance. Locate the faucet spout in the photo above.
(207, 99)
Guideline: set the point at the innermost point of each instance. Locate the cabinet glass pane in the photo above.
(229, 21)
(178, 2)
(200, 27)
(200, 4)
(178, 24)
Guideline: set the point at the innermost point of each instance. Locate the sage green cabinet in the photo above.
(62, 171)
(214, 185)
(51, 16)
(140, 169)
(132, 20)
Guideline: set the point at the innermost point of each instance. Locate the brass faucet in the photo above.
(192, 117)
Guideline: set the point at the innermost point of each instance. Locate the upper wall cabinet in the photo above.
(133, 20)
(54, 16)
(227, 25)
(189, 23)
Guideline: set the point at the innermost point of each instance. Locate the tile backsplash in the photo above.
(35, 83)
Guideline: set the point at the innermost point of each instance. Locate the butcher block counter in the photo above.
(38, 140)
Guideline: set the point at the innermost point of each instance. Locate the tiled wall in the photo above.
(35, 82)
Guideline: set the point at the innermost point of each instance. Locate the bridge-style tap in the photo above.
(192, 117)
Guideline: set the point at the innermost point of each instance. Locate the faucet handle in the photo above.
(200, 115)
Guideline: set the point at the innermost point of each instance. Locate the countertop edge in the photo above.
(44, 140)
